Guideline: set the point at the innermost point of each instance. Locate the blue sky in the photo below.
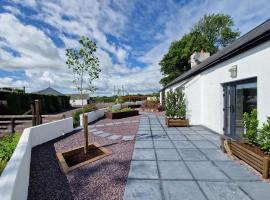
(132, 37)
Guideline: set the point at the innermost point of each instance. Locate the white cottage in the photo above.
(235, 80)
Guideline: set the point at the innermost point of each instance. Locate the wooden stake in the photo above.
(12, 121)
(85, 127)
(265, 167)
(37, 112)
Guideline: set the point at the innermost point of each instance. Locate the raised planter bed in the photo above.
(75, 158)
(118, 115)
(252, 155)
(134, 106)
(170, 122)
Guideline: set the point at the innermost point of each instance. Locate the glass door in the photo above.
(239, 97)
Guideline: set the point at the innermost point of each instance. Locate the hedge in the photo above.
(19, 103)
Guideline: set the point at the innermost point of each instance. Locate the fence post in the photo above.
(265, 167)
(38, 115)
(12, 124)
(33, 115)
(85, 130)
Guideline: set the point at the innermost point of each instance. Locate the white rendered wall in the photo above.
(14, 180)
(205, 93)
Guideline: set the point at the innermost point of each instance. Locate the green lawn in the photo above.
(7, 147)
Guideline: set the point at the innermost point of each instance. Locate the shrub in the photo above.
(264, 136)
(250, 124)
(152, 105)
(7, 147)
(18, 103)
(175, 105)
(76, 115)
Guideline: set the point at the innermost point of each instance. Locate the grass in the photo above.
(119, 110)
(7, 147)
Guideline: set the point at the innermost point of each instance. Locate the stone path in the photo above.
(186, 163)
(93, 129)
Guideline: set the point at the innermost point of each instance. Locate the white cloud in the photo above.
(44, 62)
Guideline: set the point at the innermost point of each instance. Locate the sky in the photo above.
(132, 36)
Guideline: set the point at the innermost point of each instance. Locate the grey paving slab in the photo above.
(235, 171)
(195, 137)
(163, 144)
(211, 137)
(160, 137)
(184, 129)
(173, 170)
(169, 132)
(188, 132)
(257, 190)
(115, 137)
(158, 132)
(186, 190)
(144, 137)
(204, 144)
(198, 128)
(205, 170)
(177, 137)
(157, 128)
(144, 129)
(142, 190)
(204, 132)
(143, 170)
(144, 144)
(104, 135)
(128, 137)
(223, 190)
(98, 132)
(144, 154)
(167, 154)
(215, 154)
(183, 144)
(191, 154)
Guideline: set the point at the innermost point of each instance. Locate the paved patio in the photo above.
(186, 163)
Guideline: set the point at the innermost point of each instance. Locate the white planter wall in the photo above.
(93, 116)
(14, 180)
(204, 92)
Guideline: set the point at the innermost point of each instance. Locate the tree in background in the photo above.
(211, 33)
(85, 67)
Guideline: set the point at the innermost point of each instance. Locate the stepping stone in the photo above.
(91, 126)
(128, 138)
(98, 132)
(104, 135)
(93, 130)
(115, 137)
(100, 125)
(118, 123)
(109, 124)
(126, 122)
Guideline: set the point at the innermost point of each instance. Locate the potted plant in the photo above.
(254, 148)
(175, 108)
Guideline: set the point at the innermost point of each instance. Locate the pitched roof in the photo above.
(251, 39)
(50, 91)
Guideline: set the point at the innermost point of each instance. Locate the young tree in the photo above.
(210, 34)
(85, 68)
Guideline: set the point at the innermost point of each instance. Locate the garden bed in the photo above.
(170, 122)
(252, 155)
(134, 106)
(74, 158)
(118, 115)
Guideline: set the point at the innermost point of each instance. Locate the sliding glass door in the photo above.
(239, 97)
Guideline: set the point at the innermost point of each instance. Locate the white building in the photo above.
(225, 85)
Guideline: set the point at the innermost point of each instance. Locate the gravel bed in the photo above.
(103, 179)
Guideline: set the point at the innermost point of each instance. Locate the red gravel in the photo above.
(103, 179)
